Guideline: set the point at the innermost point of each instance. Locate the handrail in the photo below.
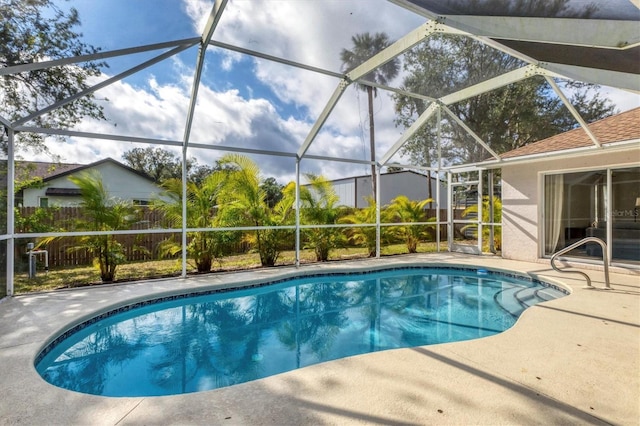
(605, 260)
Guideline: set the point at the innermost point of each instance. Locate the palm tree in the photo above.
(319, 206)
(404, 210)
(101, 213)
(244, 202)
(365, 46)
(364, 235)
(203, 247)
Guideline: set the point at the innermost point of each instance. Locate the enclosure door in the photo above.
(464, 220)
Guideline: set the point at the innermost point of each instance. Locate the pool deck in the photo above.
(574, 360)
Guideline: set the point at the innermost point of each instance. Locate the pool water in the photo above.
(210, 341)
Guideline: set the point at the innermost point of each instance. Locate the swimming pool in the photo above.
(194, 342)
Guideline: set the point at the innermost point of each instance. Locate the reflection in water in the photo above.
(218, 340)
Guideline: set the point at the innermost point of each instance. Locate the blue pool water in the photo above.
(201, 342)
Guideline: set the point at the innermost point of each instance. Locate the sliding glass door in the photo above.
(625, 224)
(596, 203)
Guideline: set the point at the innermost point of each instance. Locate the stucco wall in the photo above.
(521, 190)
(119, 182)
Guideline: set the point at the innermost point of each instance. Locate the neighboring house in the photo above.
(564, 188)
(354, 191)
(120, 181)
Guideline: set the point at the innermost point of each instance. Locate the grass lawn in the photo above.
(88, 275)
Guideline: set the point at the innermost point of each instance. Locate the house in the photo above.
(566, 187)
(354, 191)
(120, 181)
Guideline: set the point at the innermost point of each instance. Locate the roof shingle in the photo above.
(44, 170)
(616, 128)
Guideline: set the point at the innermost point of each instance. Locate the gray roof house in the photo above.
(121, 182)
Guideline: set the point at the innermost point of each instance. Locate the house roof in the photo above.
(616, 128)
(49, 171)
(43, 169)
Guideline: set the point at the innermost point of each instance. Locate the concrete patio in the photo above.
(574, 360)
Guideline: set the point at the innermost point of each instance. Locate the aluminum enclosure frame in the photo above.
(611, 35)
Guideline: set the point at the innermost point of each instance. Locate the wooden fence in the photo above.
(62, 252)
(137, 247)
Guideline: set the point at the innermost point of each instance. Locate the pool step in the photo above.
(515, 299)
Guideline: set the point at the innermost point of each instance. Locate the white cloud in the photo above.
(291, 29)
(313, 33)
(230, 59)
(222, 118)
(308, 32)
(622, 99)
(199, 11)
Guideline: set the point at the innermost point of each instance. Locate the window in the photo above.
(44, 202)
(596, 203)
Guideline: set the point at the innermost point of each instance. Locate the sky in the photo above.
(242, 101)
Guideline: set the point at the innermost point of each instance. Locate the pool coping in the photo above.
(608, 395)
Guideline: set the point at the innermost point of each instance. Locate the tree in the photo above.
(364, 235)
(100, 213)
(158, 163)
(364, 47)
(38, 30)
(404, 210)
(505, 119)
(243, 202)
(198, 173)
(203, 246)
(394, 169)
(273, 191)
(161, 165)
(319, 206)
